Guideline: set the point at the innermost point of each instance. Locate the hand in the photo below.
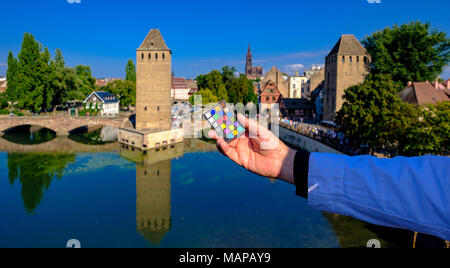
(259, 151)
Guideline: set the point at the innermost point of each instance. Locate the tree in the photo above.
(130, 71)
(410, 52)
(429, 132)
(29, 84)
(373, 114)
(124, 90)
(11, 77)
(207, 97)
(87, 81)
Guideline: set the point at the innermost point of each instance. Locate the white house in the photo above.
(105, 101)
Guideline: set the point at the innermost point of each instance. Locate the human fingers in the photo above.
(254, 128)
(228, 150)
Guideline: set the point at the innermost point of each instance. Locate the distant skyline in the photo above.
(204, 35)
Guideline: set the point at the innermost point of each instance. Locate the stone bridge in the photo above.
(61, 125)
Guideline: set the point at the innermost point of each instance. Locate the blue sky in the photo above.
(204, 35)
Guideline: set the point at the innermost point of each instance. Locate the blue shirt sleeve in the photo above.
(407, 193)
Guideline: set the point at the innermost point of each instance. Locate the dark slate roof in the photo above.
(154, 41)
(298, 103)
(348, 45)
(421, 93)
(105, 97)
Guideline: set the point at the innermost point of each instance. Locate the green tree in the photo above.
(124, 90)
(130, 71)
(11, 77)
(429, 131)
(207, 97)
(87, 81)
(30, 85)
(410, 52)
(373, 114)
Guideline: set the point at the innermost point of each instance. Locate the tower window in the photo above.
(357, 58)
(145, 109)
(142, 55)
(157, 108)
(343, 59)
(149, 56)
(351, 59)
(156, 56)
(164, 56)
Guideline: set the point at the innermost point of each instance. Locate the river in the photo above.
(55, 189)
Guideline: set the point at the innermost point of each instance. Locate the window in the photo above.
(267, 98)
(351, 59)
(156, 56)
(142, 55)
(343, 59)
(365, 59)
(357, 58)
(273, 98)
(149, 56)
(157, 108)
(145, 109)
(164, 56)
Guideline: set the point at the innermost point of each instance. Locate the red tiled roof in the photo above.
(179, 83)
(421, 93)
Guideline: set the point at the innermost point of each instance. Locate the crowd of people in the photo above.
(326, 135)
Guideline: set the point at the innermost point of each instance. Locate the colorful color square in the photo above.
(216, 117)
(229, 123)
(226, 110)
(235, 133)
(231, 128)
(224, 118)
(230, 115)
(220, 121)
(230, 136)
(221, 113)
(227, 131)
(223, 126)
(240, 129)
(236, 124)
(218, 109)
(213, 112)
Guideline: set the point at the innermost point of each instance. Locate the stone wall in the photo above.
(305, 143)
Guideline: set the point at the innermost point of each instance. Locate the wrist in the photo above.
(287, 165)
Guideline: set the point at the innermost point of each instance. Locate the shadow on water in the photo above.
(29, 135)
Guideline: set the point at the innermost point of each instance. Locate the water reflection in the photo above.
(35, 172)
(29, 135)
(153, 186)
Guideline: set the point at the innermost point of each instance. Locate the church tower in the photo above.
(153, 84)
(248, 63)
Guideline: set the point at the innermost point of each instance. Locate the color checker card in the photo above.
(223, 120)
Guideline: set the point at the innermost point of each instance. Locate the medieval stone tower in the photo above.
(153, 204)
(345, 66)
(153, 84)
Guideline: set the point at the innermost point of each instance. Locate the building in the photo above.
(279, 78)
(108, 104)
(316, 79)
(346, 65)
(101, 82)
(420, 93)
(269, 97)
(298, 109)
(3, 84)
(317, 99)
(251, 72)
(152, 126)
(192, 84)
(297, 86)
(180, 89)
